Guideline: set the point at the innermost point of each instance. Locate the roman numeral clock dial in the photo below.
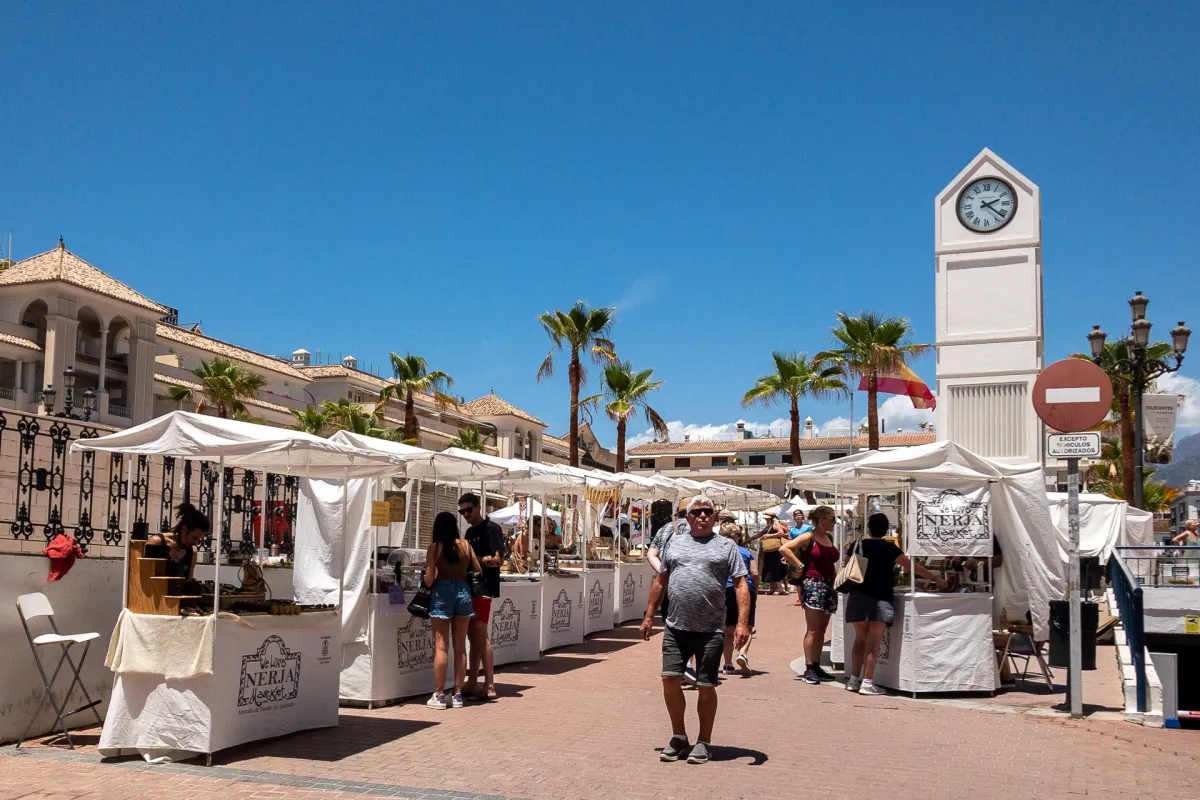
(986, 205)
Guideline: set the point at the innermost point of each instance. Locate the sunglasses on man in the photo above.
(464, 510)
(702, 512)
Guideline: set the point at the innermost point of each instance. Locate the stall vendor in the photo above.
(191, 527)
(528, 545)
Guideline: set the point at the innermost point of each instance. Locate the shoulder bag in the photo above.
(475, 580)
(796, 574)
(771, 545)
(419, 605)
(851, 574)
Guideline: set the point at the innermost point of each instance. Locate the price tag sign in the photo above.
(381, 512)
(1073, 445)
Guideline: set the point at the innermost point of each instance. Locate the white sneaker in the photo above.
(853, 684)
(869, 687)
(438, 701)
(457, 701)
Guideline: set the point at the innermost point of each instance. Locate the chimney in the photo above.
(301, 358)
(810, 430)
(350, 362)
(741, 429)
(687, 438)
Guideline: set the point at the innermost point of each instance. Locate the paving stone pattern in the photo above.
(585, 723)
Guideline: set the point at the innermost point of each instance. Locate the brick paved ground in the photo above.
(585, 722)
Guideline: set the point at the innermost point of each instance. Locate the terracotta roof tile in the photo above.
(60, 264)
(492, 406)
(340, 371)
(17, 341)
(742, 445)
(169, 381)
(226, 350)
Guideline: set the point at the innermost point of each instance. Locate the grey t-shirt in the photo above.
(697, 570)
(659, 540)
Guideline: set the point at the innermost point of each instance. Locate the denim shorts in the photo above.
(450, 599)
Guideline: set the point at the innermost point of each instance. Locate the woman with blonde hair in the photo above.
(742, 658)
(815, 557)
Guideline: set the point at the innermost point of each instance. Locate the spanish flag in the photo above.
(904, 382)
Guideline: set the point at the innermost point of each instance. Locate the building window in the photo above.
(758, 461)
(786, 458)
(683, 462)
(646, 463)
(756, 486)
(720, 461)
(832, 456)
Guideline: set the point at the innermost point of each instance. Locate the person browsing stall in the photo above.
(447, 562)
(815, 557)
(870, 605)
(191, 528)
(696, 568)
(487, 541)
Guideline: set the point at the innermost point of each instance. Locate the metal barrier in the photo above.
(1128, 592)
(1162, 566)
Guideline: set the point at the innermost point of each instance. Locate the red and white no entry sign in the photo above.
(1072, 395)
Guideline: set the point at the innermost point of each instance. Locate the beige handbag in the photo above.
(852, 573)
(771, 545)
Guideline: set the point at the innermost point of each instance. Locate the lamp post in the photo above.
(68, 412)
(1139, 370)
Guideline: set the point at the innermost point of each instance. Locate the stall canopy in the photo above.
(182, 434)
(1032, 574)
(512, 514)
(1104, 523)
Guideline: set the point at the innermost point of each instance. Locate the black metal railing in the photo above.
(1128, 592)
(45, 491)
(1163, 566)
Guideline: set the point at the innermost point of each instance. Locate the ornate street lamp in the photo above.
(89, 404)
(48, 395)
(69, 385)
(1140, 372)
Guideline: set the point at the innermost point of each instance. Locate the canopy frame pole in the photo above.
(128, 531)
(218, 538)
(345, 528)
(542, 542)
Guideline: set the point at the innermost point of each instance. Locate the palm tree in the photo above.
(580, 330)
(626, 391)
(1108, 469)
(468, 439)
(1114, 353)
(872, 346)
(347, 416)
(1157, 496)
(224, 385)
(796, 376)
(412, 376)
(310, 420)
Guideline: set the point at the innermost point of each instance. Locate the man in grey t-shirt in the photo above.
(696, 566)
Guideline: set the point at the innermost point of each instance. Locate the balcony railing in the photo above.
(115, 410)
(8, 393)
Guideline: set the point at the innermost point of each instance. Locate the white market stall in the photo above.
(955, 502)
(197, 685)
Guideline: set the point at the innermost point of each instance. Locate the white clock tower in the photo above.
(989, 343)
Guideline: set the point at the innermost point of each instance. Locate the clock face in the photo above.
(986, 205)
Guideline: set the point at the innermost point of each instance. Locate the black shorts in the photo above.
(680, 646)
(731, 607)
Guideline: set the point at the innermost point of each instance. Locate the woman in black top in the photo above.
(870, 604)
(190, 529)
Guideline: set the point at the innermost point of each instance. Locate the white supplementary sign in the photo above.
(1077, 394)
(1073, 445)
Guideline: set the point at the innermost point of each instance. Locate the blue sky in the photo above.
(430, 177)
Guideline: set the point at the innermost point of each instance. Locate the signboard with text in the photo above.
(1073, 445)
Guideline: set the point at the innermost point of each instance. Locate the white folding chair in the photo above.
(30, 606)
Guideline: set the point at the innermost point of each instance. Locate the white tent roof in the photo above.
(892, 470)
(739, 498)
(510, 515)
(181, 434)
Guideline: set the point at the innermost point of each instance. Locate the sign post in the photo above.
(1071, 396)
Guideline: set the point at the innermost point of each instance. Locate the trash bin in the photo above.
(1060, 633)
